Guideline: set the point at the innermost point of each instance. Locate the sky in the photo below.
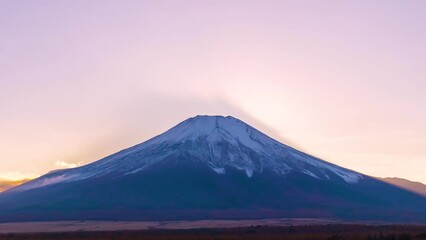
(341, 80)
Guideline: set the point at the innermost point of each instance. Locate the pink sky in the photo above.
(342, 80)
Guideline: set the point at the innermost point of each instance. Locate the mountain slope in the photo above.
(209, 167)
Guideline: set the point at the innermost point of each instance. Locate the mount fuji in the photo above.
(209, 167)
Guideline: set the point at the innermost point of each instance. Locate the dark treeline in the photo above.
(324, 232)
(403, 236)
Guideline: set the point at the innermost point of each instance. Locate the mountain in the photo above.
(416, 187)
(209, 167)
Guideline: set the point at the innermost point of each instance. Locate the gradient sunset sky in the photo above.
(342, 80)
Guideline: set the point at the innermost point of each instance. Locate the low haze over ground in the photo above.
(342, 80)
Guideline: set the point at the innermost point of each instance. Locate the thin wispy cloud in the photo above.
(62, 164)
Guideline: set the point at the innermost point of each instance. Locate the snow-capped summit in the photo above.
(215, 128)
(208, 167)
(214, 131)
(219, 142)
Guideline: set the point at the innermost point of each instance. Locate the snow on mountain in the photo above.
(220, 142)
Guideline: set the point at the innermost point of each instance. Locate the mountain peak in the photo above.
(214, 128)
(209, 122)
(201, 116)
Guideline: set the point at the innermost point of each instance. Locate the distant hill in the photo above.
(7, 184)
(407, 184)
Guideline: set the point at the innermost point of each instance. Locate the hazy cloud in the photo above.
(11, 179)
(16, 176)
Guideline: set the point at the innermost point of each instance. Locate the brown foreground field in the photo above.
(312, 232)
